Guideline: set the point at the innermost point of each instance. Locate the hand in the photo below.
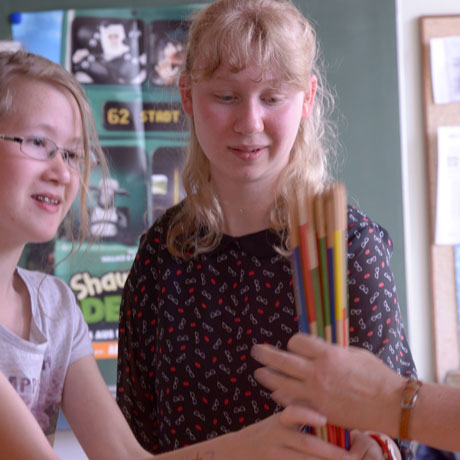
(363, 447)
(350, 386)
(278, 437)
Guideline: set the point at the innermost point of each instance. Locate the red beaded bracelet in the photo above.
(387, 451)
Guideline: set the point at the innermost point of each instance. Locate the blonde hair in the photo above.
(274, 35)
(28, 65)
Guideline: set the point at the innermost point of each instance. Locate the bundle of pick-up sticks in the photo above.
(318, 241)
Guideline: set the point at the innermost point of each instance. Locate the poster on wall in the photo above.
(128, 61)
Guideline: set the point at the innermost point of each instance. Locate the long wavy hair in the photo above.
(21, 64)
(273, 35)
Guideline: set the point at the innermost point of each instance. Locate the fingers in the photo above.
(288, 374)
(363, 447)
(315, 447)
(297, 415)
(286, 453)
(286, 390)
(303, 350)
(307, 345)
(271, 379)
(282, 361)
(285, 398)
(310, 446)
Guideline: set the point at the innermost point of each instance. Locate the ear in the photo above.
(186, 94)
(309, 98)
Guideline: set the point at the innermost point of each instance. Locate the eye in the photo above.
(72, 157)
(225, 97)
(273, 98)
(36, 141)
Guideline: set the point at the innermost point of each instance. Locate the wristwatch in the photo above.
(409, 397)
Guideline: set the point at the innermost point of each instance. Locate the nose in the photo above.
(59, 169)
(249, 119)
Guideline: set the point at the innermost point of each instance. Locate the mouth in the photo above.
(46, 199)
(250, 149)
(249, 152)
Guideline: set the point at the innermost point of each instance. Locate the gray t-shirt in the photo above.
(58, 337)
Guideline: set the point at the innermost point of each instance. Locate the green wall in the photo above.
(358, 41)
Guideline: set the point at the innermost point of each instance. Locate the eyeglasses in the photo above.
(42, 148)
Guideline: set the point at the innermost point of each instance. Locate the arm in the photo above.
(276, 437)
(94, 416)
(20, 435)
(353, 388)
(104, 433)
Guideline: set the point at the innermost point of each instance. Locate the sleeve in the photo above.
(136, 348)
(375, 315)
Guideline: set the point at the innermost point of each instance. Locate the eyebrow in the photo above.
(229, 77)
(46, 130)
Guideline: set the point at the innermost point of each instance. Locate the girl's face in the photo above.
(36, 195)
(246, 123)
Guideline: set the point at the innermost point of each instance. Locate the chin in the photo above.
(43, 237)
(41, 240)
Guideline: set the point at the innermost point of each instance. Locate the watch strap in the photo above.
(409, 397)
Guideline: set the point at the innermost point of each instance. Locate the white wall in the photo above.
(414, 176)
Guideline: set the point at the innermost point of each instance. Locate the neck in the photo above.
(15, 307)
(9, 258)
(245, 207)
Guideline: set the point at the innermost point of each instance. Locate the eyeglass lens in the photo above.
(43, 148)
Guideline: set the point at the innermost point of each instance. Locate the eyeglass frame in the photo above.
(64, 150)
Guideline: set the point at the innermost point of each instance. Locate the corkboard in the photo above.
(442, 269)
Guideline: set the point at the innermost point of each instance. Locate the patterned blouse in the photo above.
(185, 373)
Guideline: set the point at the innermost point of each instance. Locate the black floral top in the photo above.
(187, 327)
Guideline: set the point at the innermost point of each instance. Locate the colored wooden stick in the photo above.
(314, 265)
(296, 263)
(318, 226)
(319, 212)
(305, 247)
(329, 206)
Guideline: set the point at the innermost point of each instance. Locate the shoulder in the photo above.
(37, 279)
(153, 242)
(53, 291)
(362, 230)
(57, 315)
(162, 224)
